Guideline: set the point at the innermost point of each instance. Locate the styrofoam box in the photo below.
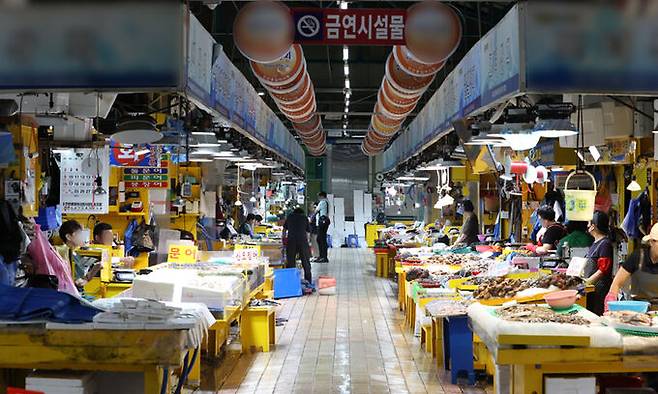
(152, 290)
(61, 383)
(213, 299)
(581, 385)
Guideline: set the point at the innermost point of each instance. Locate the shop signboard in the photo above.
(359, 26)
(199, 61)
(591, 47)
(120, 46)
(468, 81)
(181, 254)
(222, 85)
(499, 53)
(127, 156)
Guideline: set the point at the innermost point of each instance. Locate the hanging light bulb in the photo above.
(634, 186)
(417, 205)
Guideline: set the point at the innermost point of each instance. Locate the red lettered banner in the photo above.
(363, 26)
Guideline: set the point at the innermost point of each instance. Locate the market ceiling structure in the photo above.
(325, 64)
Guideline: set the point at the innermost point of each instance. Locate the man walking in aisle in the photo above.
(295, 236)
(323, 222)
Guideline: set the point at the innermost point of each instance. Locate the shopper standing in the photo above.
(315, 253)
(296, 231)
(598, 269)
(323, 222)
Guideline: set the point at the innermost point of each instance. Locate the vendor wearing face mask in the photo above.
(598, 269)
(641, 267)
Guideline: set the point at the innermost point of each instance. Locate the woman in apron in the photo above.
(641, 267)
(598, 269)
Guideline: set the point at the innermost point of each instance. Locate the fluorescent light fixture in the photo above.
(261, 93)
(278, 173)
(554, 128)
(62, 150)
(347, 83)
(348, 94)
(269, 158)
(210, 133)
(413, 178)
(202, 152)
(344, 126)
(346, 70)
(223, 141)
(634, 186)
(519, 141)
(200, 159)
(235, 149)
(346, 54)
(596, 155)
(347, 109)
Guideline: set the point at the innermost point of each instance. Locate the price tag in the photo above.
(181, 254)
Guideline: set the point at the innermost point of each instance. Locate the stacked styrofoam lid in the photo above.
(432, 34)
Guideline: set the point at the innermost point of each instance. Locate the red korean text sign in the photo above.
(365, 26)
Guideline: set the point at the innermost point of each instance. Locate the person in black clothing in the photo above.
(471, 226)
(598, 269)
(554, 231)
(296, 233)
(323, 222)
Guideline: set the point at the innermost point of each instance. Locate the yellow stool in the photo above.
(257, 328)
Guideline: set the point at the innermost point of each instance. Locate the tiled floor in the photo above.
(353, 342)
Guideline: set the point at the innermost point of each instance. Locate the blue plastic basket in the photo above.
(635, 306)
(287, 283)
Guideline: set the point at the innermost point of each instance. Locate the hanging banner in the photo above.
(364, 26)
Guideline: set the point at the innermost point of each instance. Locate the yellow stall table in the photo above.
(147, 352)
(534, 356)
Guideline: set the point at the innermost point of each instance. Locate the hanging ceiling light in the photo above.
(238, 203)
(634, 186)
(253, 198)
(136, 130)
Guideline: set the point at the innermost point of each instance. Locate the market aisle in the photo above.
(351, 342)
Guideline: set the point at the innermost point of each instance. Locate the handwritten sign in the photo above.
(181, 254)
